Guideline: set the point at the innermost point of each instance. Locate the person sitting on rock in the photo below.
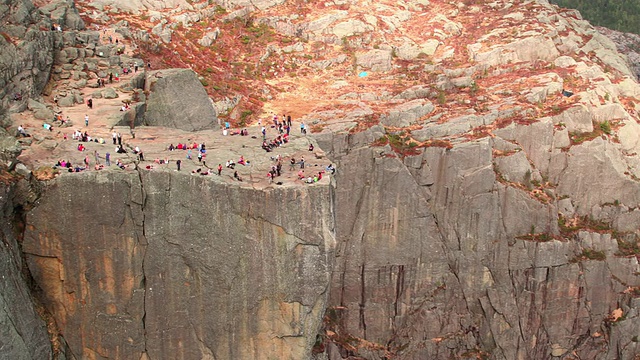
(81, 147)
(310, 147)
(331, 169)
(120, 164)
(236, 176)
(171, 147)
(301, 175)
(242, 161)
(231, 164)
(22, 132)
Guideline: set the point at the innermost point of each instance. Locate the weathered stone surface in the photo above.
(452, 241)
(154, 277)
(25, 64)
(209, 37)
(109, 93)
(589, 166)
(178, 100)
(375, 60)
(407, 113)
(23, 333)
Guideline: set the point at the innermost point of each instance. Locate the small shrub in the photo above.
(245, 114)
(605, 127)
(473, 89)
(442, 98)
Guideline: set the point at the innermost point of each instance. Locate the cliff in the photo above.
(171, 265)
(485, 203)
(23, 333)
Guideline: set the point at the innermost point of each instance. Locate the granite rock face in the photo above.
(438, 255)
(25, 64)
(174, 266)
(23, 333)
(178, 100)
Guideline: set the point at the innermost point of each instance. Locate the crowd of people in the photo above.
(275, 134)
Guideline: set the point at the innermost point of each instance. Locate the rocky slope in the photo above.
(485, 205)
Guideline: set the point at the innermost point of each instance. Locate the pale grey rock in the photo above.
(590, 165)
(564, 61)
(577, 118)
(527, 49)
(407, 113)
(297, 47)
(322, 23)
(414, 92)
(628, 221)
(629, 135)
(43, 114)
(514, 167)
(109, 93)
(374, 60)
(22, 170)
(609, 112)
(177, 99)
(565, 208)
(350, 27)
(67, 101)
(209, 37)
(561, 139)
(104, 52)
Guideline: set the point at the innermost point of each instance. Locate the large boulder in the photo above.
(178, 100)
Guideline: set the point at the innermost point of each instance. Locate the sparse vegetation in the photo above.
(628, 244)
(605, 127)
(570, 226)
(442, 98)
(589, 254)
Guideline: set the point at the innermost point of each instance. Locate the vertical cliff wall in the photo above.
(23, 334)
(439, 256)
(177, 266)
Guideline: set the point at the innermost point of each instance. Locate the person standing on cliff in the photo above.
(178, 162)
(107, 159)
(86, 120)
(114, 136)
(219, 169)
(119, 139)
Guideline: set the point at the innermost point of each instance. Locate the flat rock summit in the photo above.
(409, 180)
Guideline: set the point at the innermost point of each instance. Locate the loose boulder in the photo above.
(178, 100)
